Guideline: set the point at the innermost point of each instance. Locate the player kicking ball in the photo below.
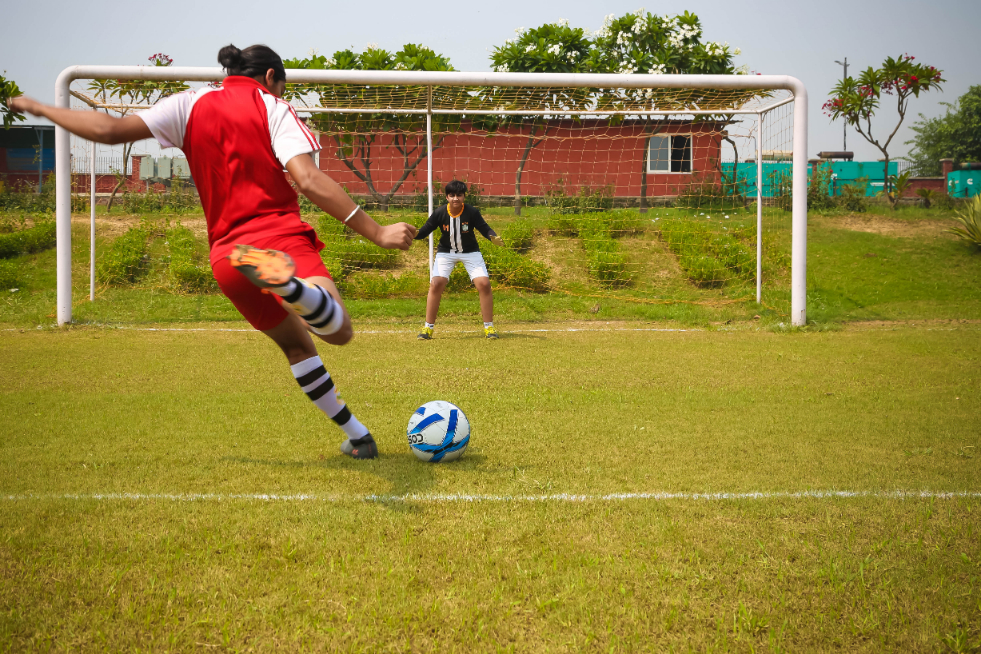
(458, 223)
(238, 138)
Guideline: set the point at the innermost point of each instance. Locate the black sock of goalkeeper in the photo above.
(314, 304)
(315, 381)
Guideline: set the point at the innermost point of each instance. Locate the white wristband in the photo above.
(351, 215)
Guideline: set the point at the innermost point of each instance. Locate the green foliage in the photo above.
(347, 250)
(188, 270)
(518, 236)
(900, 184)
(955, 135)
(853, 197)
(585, 199)
(708, 258)
(819, 189)
(8, 90)
(605, 261)
(127, 260)
(710, 196)
(29, 201)
(516, 271)
(180, 200)
(38, 238)
(10, 275)
(927, 195)
(970, 219)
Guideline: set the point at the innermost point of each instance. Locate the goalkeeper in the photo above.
(238, 139)
(457, 223)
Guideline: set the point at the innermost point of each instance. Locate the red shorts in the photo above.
(264, 310)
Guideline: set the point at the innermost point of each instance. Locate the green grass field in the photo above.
(173, 490)
(688, 475)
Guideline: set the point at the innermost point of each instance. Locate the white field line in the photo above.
(435, 498)
(407, 331)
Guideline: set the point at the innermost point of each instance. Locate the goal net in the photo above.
(605, 188)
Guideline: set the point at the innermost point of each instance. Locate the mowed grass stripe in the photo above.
(455, 498)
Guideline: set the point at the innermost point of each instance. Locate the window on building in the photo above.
(670, 154)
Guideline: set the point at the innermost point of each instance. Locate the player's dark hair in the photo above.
(456, 187)
(254, 61)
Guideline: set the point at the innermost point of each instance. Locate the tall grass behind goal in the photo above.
(643, 187)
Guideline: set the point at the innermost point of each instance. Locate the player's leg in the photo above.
(275, 272)
(293, 339)
(443, 265)
(268, 314)
(477, 270)
(436, 287)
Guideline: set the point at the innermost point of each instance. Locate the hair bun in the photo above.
(230, 57)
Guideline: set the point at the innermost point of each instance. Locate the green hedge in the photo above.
(518, 236)
(10, 275)
(186, 272)
(707, 257)
(517, 271)
(28, 241)
(127, 260)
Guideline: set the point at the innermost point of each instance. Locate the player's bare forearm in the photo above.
(92, 125)
(329, 196)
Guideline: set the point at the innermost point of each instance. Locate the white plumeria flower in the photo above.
(519, 31)
(530, 48)
(331, 62)
(555, 49)
(737, 51)
(562, 22)
(372, 46)
(313, 52)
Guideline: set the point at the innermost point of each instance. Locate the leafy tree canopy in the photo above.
(955, 135)
(8, 89)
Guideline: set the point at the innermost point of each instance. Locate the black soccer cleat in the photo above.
(360, 448)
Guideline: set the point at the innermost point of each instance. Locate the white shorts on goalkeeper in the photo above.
(472, 261)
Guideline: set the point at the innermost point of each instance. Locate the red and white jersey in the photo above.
(237, 140)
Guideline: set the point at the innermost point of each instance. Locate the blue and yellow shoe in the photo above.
(426, 334)
(490, 332)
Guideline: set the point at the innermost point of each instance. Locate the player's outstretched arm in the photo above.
(329, 196)
(92, 125)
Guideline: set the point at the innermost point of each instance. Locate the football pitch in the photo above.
(627, 488)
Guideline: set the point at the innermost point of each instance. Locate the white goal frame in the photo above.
(412, 78)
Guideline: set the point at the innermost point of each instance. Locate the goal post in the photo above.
(492, 94)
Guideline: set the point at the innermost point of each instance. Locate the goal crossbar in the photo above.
(798, 95)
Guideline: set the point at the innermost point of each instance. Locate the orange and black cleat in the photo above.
(264, 268)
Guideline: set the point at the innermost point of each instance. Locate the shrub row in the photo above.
(516, 271)
(186, 272)
(127, 260)
(586, 199)
(347, 251)
(518, 236)
(708, 258)
(10, 275)
(607, 264)
(614, 223)
(28, 241)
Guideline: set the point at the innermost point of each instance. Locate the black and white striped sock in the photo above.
(315, 381)
(314, 304)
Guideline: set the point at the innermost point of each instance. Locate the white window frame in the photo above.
(691, 154)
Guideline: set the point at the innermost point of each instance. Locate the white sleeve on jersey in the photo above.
(168, 118)
(289, 136)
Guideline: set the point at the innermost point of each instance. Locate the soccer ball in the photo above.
(438, 431)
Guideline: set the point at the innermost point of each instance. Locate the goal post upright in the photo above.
(433, 79)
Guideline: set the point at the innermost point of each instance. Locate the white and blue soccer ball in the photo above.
(438, 431)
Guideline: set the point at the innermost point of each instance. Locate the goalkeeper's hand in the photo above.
(497, 240)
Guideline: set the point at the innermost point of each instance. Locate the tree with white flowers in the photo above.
(645, 43)
(550, 48)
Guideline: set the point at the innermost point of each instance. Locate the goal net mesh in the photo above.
(646, 196)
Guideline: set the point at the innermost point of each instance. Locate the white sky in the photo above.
(40, 38)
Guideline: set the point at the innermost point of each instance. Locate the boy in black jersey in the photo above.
(458, 244)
